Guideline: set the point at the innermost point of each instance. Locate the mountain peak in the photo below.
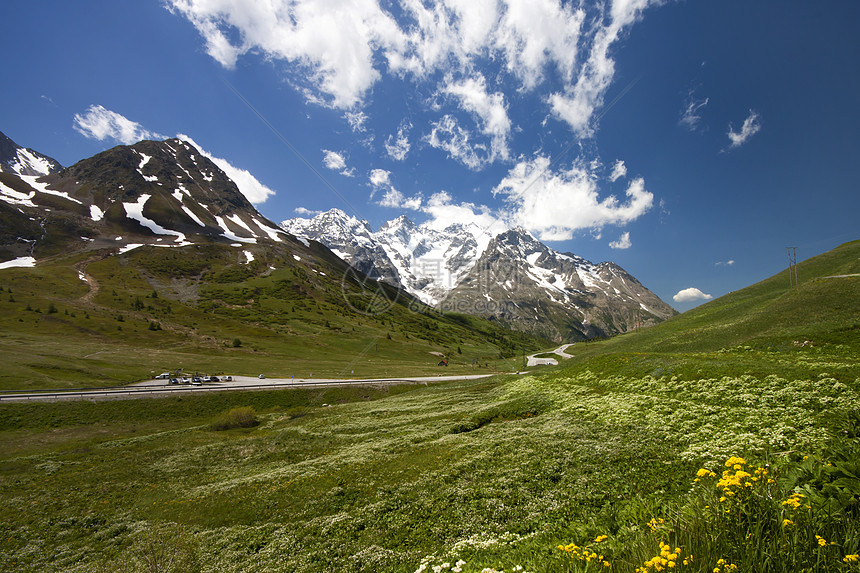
(164, 193)
(401, 222)
(23, 161)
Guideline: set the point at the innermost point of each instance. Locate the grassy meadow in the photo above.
(723, 440)
(152, 310)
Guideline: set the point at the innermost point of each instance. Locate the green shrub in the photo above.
(239, 417)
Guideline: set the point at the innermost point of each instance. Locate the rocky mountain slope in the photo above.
(425, 262)
(521, 282)
(150, 193)
(512, 277)
(23, 161)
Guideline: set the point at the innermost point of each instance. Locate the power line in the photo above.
(792, 266)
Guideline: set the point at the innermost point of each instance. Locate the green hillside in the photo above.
(767, 327)
(726, 439)
(292, 311)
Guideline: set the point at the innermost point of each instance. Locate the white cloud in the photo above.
(690, 295)
(623, 242)
(100, 123)
(691, 116)
(490, 110)
(555, 204)
(336, 162)
(356, 120)
(750, 127)
(535, 33)
(380, 180)
(250, 187)
(398, 148)
(336, 47)
(395, 199)
(577, 104)
(447, 135)
(728, 263)
(304, 211)
(444, 212)
(339, 50)
(619, 170)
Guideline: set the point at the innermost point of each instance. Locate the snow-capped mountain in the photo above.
(23, 161)
(350, 239)
(425, 262)
(163, 193)
(512, 277)
(521, 282)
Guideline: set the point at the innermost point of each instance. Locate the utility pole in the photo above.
(792, 266)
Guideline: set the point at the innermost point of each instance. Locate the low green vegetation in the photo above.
(238, 417)
(720, 441)
(94, 319)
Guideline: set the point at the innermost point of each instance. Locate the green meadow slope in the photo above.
(719, 441)
(96, 318)
(765, 328)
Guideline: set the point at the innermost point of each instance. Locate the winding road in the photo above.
(533, 359)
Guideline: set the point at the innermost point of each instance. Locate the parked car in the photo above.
(214, 379)
(163, 376)
(174, 381)
(262, 376)
(186, 380)
(196, 382)
(227, 378)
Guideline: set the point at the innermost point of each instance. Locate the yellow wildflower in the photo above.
(853, 558)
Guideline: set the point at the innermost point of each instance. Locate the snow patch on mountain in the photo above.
(230, 234)
(19, 262)
(96, 214)
(13, 197)
(135, 211)
(31, 180)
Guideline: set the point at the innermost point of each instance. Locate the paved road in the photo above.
(162, 388)
(533, 360)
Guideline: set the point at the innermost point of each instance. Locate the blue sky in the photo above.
(689, 142)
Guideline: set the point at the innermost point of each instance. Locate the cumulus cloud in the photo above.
(380, 181)
(336, 162)
(751, 126)
(340, 54)
(534, 33)
(101, 124)
(489, 109)
(398, 147)
(691, 294)
(304, 211)
(554, 205)
(250, 187)
(623, 242)
(335, 47)
(619, 170)
(444, 212)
